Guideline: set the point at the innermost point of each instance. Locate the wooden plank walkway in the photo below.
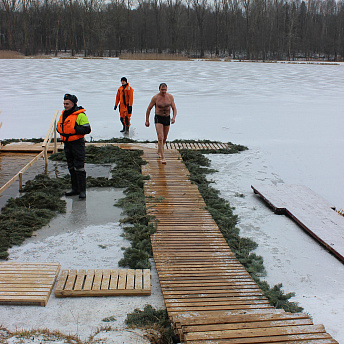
(209, 296)
(197, 145)
(29, 147)
(309, 210)
(103, 283)
(27, 283)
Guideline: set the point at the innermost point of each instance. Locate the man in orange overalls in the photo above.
(125, 99)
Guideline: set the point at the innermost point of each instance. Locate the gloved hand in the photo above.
(130, 109)
(115, 107)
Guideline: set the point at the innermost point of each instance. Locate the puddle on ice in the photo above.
(98, 209)
(12, 163)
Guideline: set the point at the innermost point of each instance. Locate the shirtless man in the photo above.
(163, 103)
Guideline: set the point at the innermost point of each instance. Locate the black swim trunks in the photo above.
(164, 120)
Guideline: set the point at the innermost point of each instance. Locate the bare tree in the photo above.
(11, 7)
(200, 7)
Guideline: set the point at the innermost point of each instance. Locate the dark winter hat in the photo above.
(124, 79)
(71, 97)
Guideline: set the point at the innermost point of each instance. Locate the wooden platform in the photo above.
(27, 283)
(29, 147)
(209, 296)
(309, 210)
(197, 145)
(103, 283)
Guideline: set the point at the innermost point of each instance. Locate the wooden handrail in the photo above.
(45, 144)
(20, 173)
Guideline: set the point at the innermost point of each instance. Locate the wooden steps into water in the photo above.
(209, 296)
(27, 283)
(309, 210)
(78, 283)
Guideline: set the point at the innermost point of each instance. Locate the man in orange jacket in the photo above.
(125, 99)
(73, 125)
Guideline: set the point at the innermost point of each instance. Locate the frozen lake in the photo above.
(292, 113)
(289, 115)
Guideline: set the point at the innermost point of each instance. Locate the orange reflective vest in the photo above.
(66, 127)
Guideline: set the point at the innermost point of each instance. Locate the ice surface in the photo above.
(289, 115)
(292, 113)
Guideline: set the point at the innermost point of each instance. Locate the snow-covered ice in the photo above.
(292, 113)
(88, 236)
(289, 115)
(291, 256)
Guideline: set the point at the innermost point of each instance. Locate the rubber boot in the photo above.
(126, 131)
(123, 130)
(82, 183)
(75, 185)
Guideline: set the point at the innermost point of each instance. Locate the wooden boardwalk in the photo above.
(29, 147)
(103, 283)
(209, 296)
(27, 283)
(309, 210)
(197, 145)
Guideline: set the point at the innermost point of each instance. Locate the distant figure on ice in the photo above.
(125, 97)
(163, 103)
(73, 126)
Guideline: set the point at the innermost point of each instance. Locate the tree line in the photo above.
(240, 29)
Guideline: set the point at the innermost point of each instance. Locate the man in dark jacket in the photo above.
(73, 125)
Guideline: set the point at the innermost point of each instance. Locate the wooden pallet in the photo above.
(103, 283)
(209, 296)
(309, 210)
(27, 283)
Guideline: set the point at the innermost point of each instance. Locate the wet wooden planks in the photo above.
(197, 145)
(254, 328)
(106, 282)
(209, 296)
(27, 283)
(30, 147)
(309, 210)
